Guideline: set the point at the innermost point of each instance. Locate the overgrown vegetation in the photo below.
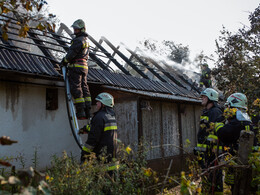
(127, 174)
(238, 64)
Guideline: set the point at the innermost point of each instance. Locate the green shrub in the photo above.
(131, 176)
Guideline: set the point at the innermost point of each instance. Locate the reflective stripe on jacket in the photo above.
(207, 116)
(103, 131)
(205, 139)
(230, 132)
(77, 66)
(206, 74)
(78, 51)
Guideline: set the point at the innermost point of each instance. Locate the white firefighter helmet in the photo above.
(237, 100)
(212, 94)
(79, 24)
(106, 99)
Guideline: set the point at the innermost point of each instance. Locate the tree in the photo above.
(27, 13)
(202, 58)
(238, 64)
(175, 52)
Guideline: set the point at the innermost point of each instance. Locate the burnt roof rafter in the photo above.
(45, 32)
(133, 54)
(167, 74)
(140, 72)
(102, 64)
(41, 45)
(96, 48)
(32, 36)
(113, 55)
(9, 43)
(184, 80)
(51, 41)
(108, 55)
(36, 40)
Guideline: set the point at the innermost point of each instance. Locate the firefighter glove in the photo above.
(64, 62)
(204, 124)
(84, 130)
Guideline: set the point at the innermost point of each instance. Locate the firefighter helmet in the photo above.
(106, 99)
(204, 65)
(212, 94)
(237, 100)
(79, 24)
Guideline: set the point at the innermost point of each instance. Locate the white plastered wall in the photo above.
(23, 117)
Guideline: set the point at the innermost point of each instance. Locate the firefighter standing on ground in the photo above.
(76, 61)
(205, 78)
(102, 132)
(229, 133)
(207, 141)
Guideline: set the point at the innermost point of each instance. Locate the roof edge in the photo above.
(155, 95)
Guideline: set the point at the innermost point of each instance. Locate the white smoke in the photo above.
(189, 69)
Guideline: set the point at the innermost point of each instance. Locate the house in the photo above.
(164, 112)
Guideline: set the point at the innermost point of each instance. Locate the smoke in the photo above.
(188, 68)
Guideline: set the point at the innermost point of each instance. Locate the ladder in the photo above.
(71, 110)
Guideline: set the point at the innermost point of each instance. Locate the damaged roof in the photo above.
(25, 62)
(12, 58)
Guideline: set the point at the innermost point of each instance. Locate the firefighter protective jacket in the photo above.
(77, 56)
(206, 73)
(103, 132)
(78, 50)
(208, 116)
(208, 144)
(205, 78)
(229, 133)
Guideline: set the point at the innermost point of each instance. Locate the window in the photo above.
(51, 98)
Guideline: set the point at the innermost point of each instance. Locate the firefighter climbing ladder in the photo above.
(71, 110)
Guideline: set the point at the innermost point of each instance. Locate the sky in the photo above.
(196, 23)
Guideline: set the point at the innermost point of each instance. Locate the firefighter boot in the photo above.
(87, 109)
(80, 111)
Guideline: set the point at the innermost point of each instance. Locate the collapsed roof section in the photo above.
(40, 53)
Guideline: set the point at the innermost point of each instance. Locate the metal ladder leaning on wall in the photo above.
(71, 110)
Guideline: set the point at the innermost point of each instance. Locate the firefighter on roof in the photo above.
(205, 79)
(76, 61)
